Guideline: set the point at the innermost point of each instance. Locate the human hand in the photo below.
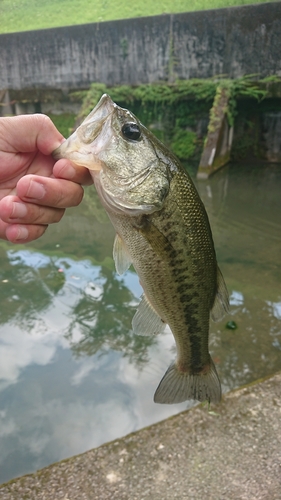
(35, 190)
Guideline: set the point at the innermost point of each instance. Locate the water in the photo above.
(72, 374)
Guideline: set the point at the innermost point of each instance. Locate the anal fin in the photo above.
(221, 302)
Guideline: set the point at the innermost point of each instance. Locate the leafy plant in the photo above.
(172, 111)
(184, 143)
(64, 122)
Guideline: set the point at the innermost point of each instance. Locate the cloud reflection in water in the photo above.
(72, 374)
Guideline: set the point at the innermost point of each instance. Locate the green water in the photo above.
(72, 374)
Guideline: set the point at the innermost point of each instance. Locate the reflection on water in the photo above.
(72, 374)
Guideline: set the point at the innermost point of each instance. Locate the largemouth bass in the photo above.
(163, 230)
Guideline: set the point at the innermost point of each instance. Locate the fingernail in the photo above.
(19, 210)
(36, 190)
(22, 233)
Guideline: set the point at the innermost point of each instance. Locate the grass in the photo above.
(24, 15)
(64, 122)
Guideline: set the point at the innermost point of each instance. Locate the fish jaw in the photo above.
(84, 146)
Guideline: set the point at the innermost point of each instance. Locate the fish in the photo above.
(163, 230)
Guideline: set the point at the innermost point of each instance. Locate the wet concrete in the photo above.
(231, 452)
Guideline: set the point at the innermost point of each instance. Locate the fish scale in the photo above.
(168, 281)
(163, 230)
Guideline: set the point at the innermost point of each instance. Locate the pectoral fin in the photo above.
(121, 256)
(221, 303)
(146, 321)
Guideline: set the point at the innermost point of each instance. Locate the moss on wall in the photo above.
(250, 128)
(179, 114)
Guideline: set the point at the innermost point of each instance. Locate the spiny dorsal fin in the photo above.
(146, 321)
(221, 303)
(121, 256)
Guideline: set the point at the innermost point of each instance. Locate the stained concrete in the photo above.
(232, 452)
(217, 146)
(233, 41)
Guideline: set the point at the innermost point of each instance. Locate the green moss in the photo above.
(64, 122)
(173, 111)
(184, 143)
(248, 135)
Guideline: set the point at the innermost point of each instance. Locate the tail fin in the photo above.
(176, 386)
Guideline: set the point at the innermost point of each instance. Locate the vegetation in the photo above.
(249, 142)
(179, 113)
(64, 122)
(24, 15)
(170, 111)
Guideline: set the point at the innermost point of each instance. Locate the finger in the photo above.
(51, 192)
(3, 227)
(14, 211)
(42, 134)
(16, 233)
(64, 169)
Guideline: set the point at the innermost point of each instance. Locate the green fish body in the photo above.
(163, 230)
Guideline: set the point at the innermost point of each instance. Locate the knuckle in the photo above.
(39, 214)
(44, 120)
(38, 231)
(59, 214)
(71, 196)
(79, 196)
(45, 215)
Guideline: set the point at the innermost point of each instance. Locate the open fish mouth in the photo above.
(84, 145)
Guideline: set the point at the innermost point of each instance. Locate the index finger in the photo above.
(27, 133)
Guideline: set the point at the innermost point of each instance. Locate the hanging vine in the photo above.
(172, 110)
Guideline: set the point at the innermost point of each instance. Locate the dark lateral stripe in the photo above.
(194, 335)
(185, 290)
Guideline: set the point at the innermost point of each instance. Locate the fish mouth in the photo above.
(84, 145)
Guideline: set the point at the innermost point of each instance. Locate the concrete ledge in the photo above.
(232, 452)
(232, 41)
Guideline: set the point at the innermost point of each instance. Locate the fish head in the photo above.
(130, 167)
(83, 146)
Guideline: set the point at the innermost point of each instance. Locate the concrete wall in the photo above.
(233, 41)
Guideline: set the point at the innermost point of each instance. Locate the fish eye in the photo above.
(131, 131)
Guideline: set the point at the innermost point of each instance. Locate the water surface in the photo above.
(73, 375)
